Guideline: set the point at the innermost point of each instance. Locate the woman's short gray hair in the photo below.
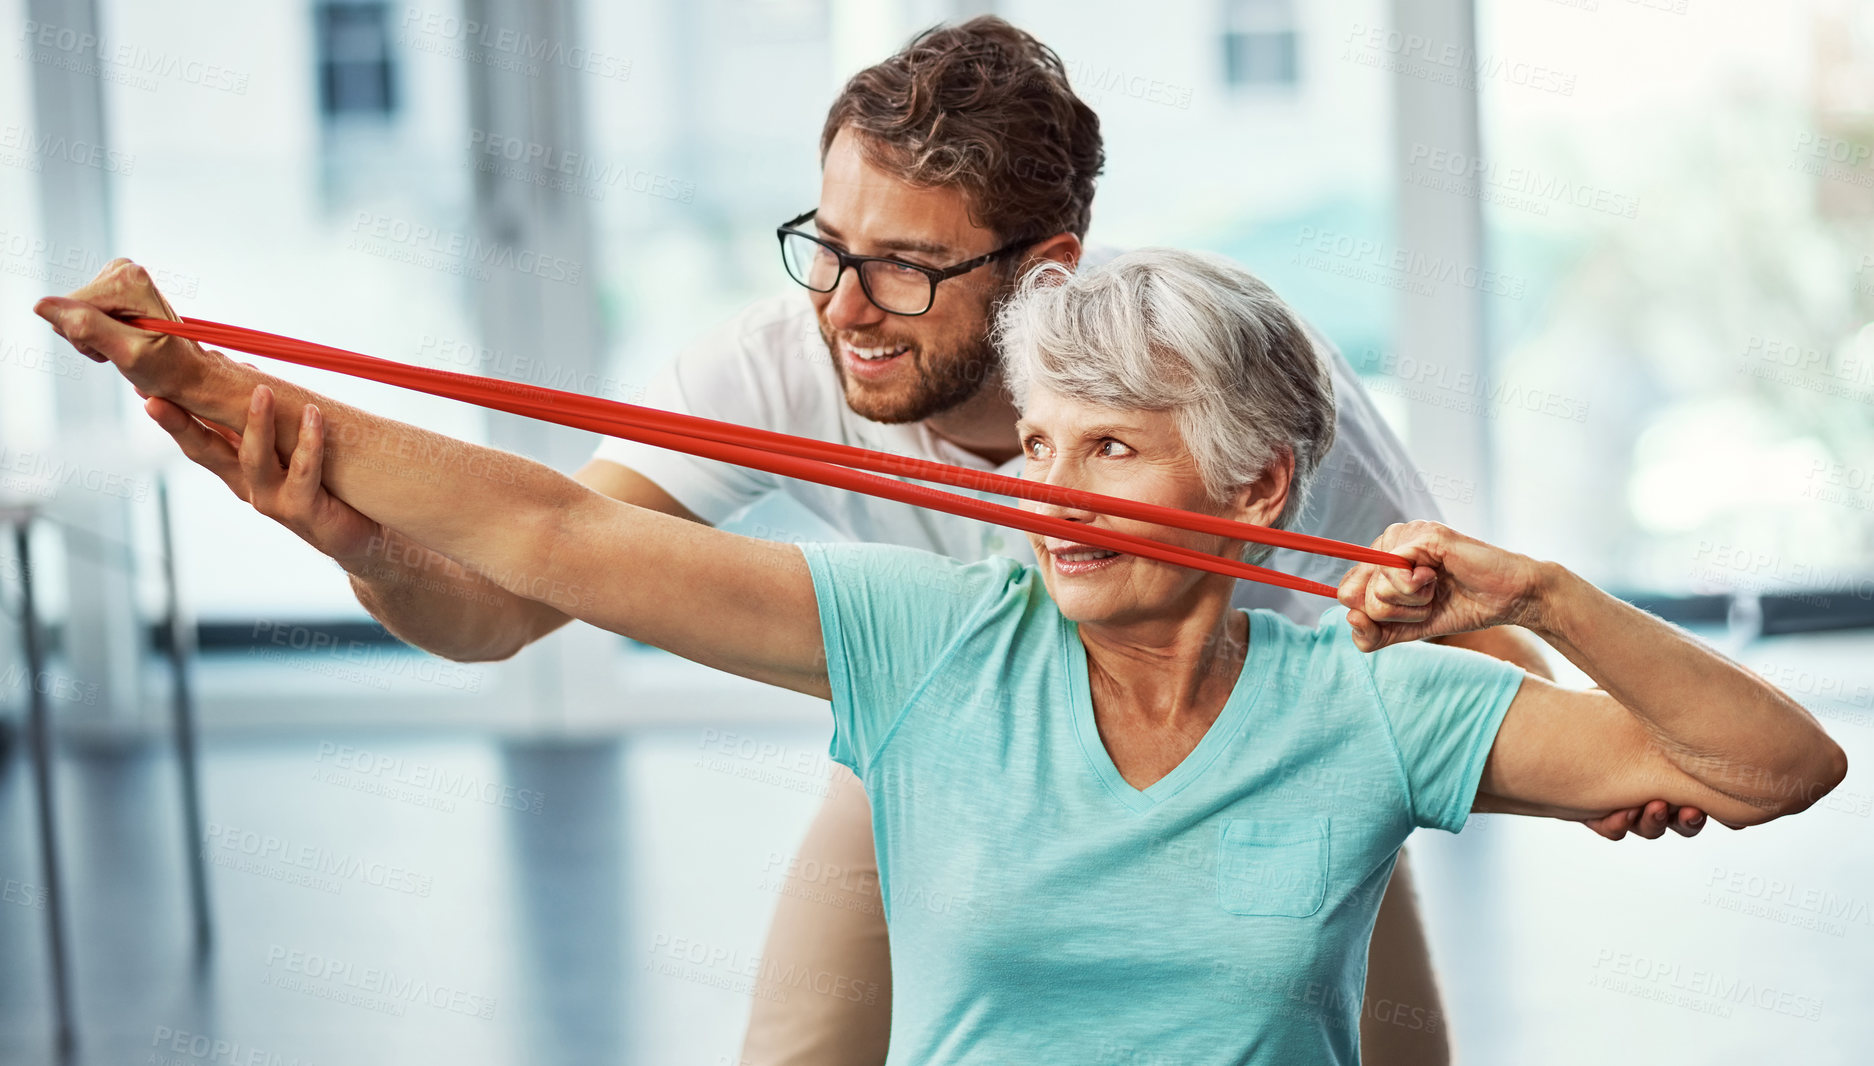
(1165, 330)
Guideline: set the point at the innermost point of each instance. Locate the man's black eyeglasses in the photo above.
(894, 286)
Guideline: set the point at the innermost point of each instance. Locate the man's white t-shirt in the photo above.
(768, 367)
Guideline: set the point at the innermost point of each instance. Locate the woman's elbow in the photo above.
(1831, 770)
(1798, 791)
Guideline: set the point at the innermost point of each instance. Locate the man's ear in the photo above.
(1062, 248)
(1261, 501)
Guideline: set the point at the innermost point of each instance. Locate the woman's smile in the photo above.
(1074, 560)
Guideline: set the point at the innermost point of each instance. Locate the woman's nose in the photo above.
(1060, 475)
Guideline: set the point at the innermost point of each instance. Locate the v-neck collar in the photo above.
(1230, 719)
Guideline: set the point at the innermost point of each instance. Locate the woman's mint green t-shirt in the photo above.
(1043, 910)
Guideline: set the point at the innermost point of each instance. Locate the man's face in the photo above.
(899, 368)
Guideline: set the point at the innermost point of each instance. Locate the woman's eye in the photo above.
(1108, 445)
(1036, 448)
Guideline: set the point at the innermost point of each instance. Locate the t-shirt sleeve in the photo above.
(719, 377)
(1444, 706)
(889, 617)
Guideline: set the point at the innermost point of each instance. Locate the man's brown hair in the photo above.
(987, 107)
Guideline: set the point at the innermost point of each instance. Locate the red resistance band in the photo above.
(807, 459)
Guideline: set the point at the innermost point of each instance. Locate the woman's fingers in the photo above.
(123, 287)
(1387, 605)
(1395, 596)
(1365, 633)
(1369, 635)
(1351, 591)
(1401, 588)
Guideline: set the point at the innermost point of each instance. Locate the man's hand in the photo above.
(1650, 822)
(291, 494)
(155, 364)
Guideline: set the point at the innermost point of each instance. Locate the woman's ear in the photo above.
(1261, 501)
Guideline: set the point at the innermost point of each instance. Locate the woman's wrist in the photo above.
(214, 387)
(1547, 593)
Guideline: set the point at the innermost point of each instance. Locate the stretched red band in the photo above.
(819, 461)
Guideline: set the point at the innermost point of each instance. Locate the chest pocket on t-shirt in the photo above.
(1274, 867)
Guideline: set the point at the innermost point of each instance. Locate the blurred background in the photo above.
(1607, 266)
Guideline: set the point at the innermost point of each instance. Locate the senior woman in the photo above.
(1117, 820)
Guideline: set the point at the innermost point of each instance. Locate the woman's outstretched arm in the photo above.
(735, 603)
(1674, 719)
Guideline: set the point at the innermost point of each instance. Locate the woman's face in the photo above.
(1137, 455)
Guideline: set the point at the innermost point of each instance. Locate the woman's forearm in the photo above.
(491, 509)
(1717, 721)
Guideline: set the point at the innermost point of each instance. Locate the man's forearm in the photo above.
(426, 599)
(1716, 720)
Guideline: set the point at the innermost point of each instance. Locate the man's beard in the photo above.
(944, 378)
